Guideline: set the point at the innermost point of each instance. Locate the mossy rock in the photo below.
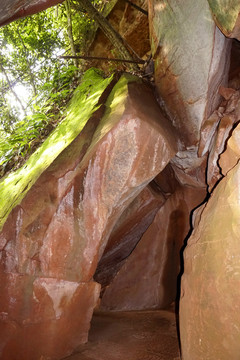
(83, 104)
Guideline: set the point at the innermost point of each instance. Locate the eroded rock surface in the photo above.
(148, 278)
(209, 308)
(127, 232)
(191, 60)
(54, 238)
(209, 319)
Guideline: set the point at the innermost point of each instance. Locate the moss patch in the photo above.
(84, 103)
(225, 12)
(115, 106)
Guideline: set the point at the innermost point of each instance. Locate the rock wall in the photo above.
(112, 202)
(192, 58)
(52, 241)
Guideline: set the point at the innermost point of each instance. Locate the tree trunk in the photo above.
(11, 88)
(113, 36)
(69, 31)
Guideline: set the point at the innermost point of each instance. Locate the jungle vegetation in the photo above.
(35, 84)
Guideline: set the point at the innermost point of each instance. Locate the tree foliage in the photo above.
(35, 83)
(29, 50)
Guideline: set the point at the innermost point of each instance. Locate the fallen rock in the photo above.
(209, 306)
(43, 318)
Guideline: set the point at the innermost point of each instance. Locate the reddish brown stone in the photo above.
(227, 117)
(213, 170)
(128, 231)
(230, 157)
(209, 304)
(44, 317)
(11, 10)
(148, 278)
(56, 236)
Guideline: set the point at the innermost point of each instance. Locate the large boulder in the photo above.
(191, 62)
(53, 239)
(209, 304)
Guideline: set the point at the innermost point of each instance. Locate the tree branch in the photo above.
(113, 36)
(137, 7)
(11, 88)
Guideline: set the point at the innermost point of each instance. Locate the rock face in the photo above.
(209, 309)
(191, 60)
(11, 10)
(52, 241)
(127, 232)
(209, 320)
(43, 318)
(148, 278)
(114, 207)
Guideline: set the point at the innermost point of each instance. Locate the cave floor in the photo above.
(143, 335)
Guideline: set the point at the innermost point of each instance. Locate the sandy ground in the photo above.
(144, 335)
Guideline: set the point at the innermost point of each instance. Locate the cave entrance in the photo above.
(138, 271)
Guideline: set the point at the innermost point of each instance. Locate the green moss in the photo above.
(115, 106)
(14, 187)
(225, 12)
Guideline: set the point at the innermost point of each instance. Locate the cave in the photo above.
(125, 245)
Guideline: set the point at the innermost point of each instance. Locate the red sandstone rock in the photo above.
(148, 278)
(219, 140)
(62, 226)
(230, 157)
(189, 168)
(208, 130)
(209, 304)
(43, 318)
(229, 116)
(128, 231)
